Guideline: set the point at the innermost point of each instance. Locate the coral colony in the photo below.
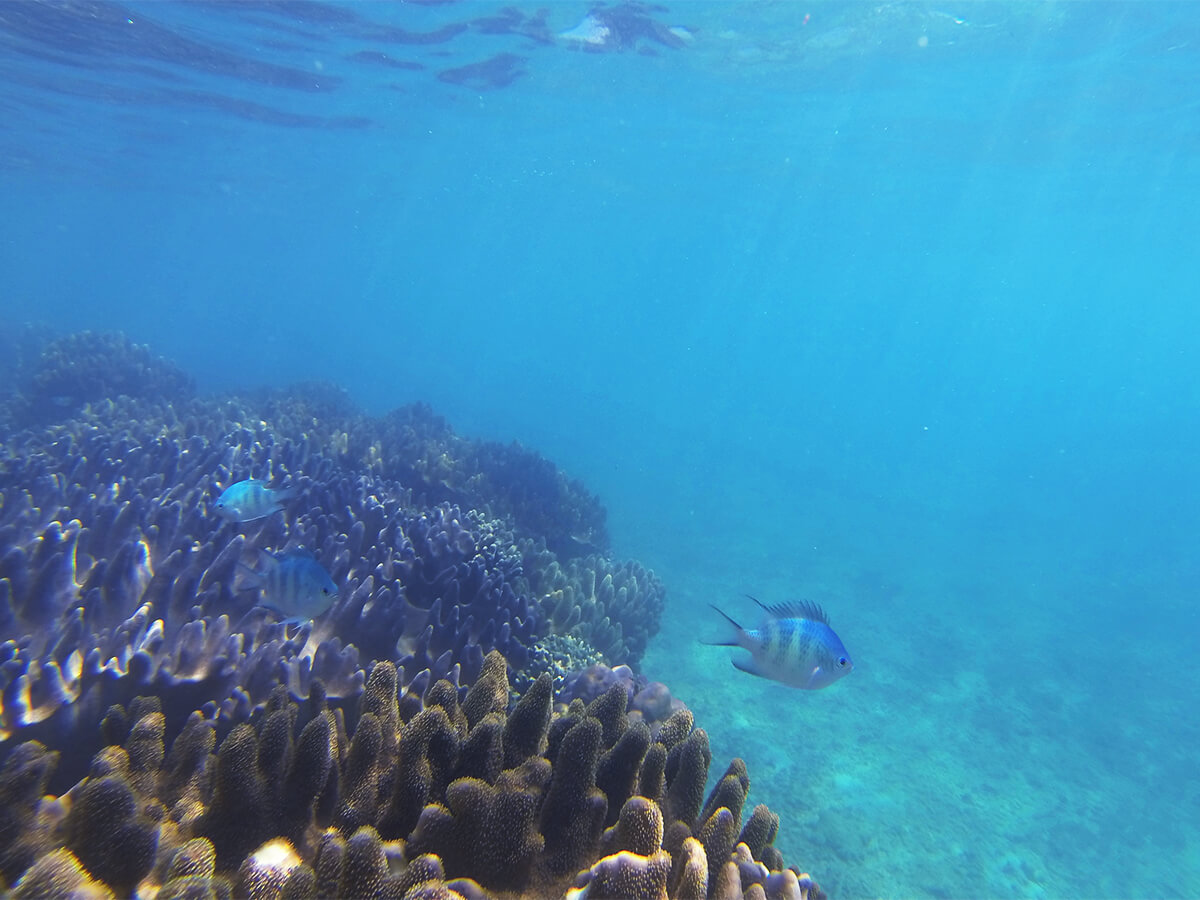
(463, 717)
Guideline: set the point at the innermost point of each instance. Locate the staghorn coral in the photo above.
(308, 800)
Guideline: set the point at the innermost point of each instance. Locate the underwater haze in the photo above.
(889, 307)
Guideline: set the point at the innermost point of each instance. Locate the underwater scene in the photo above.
(599, 450)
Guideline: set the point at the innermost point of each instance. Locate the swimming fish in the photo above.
(294, 585)
(251, 499)
(794, 645)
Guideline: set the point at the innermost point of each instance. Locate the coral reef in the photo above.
(649, 701)
(615, 608)
(561, 656)
(89, 366)
(161, 732)
(54, 379)
(410, 793)
(417, 448)
(116, 577)
(21, 346)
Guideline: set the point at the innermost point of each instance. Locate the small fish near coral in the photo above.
(251, 499)
(294, 585)
(794, 645)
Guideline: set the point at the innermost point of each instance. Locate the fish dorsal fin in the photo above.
(795, 609)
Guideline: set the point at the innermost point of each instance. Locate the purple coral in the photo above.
(117, 578)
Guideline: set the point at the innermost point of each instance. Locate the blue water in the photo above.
(889, 306)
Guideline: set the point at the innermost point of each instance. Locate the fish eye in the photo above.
(842, 662)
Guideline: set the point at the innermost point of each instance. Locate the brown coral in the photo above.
(297, 803)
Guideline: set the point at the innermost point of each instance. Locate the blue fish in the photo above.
(251, 499)
(794, 645)
(294, 585)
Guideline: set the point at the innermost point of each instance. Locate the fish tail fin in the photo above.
(280, 617)
(734, 640)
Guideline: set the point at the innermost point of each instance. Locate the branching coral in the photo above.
(117, 578)
(306, 799)
(115, 575)
(419, 448)
(615, 608)
(89, 366)
(200, 748)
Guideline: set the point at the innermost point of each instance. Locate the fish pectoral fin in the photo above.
(281, 617)
(750, 667)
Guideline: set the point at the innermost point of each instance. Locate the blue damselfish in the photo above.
(794, 645)
(293, 584)
(251, 499)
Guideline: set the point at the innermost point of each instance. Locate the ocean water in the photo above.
(890, 306)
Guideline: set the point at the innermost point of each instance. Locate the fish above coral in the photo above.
(794, 645)
(115, 580)
(251, 499)
(293, 583)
